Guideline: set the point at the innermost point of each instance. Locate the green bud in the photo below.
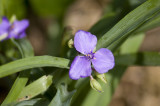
(13, 18)
(95, 84)
(70, 43)
(102, 77)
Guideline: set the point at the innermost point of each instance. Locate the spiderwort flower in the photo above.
(102, 60)
(13, 30)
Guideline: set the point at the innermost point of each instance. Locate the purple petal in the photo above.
(4, 26)
(80, 68)
(18, 27)
(12, 34)
(84, 42)
(22, 35)
(103, 60)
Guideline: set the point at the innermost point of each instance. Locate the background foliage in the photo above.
(43, 80)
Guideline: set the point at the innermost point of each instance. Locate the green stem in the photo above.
(19, 47)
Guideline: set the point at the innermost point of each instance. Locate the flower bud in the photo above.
(13, 18)
(95, 84)
(70, 43)
(102, 77)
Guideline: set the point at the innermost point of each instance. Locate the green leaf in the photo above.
(135, 3)
(17, 87)
(141, 59)
(150, 24)
(62, 97)
(33, 102)
(130, 22)
(32, 62)
(26, 51)
(26, 47)
(35, 88)
(132, 44)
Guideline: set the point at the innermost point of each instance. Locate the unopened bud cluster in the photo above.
(95, 84)
(70, 43)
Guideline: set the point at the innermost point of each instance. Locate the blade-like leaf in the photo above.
(144, 27)
(37, 87)
(132, 44)
(26, 47)
(130, 22)
(145, 59)
(26, 50)
(152, 23)
(32, 62)
(18, 85)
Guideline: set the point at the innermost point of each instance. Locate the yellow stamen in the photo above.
(94, 58)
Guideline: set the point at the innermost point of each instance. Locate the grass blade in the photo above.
(141, 59)
(130, 22)
(26, 50)
(35, 88)
(32, 62)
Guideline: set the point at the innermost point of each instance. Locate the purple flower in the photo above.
(102, 60)
(15, 30)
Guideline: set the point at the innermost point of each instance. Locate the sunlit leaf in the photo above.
(26, 51)
(32, 62)
(129, 23)
(150, 24)
(35, 88)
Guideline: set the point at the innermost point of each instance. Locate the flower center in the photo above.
(11, 27)
(90, 56)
